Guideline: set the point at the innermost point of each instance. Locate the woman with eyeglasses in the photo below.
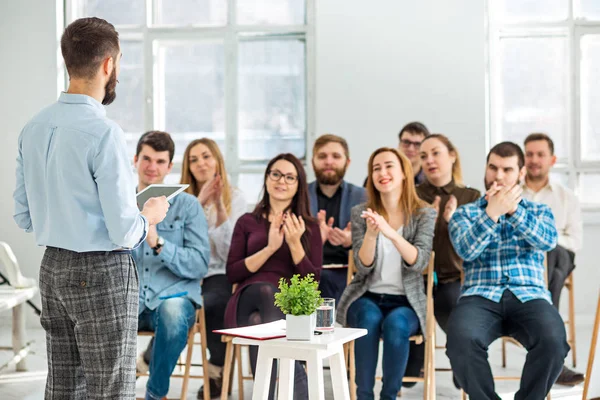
(277, 240)
(392, 236)
(204, 170)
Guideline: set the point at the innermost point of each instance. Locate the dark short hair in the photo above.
(330, 138)
(508, 149)
(414, 127)
(534, 137)
(86, 43)
(159, 141)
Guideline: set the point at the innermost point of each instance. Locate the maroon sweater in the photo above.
(249, 237)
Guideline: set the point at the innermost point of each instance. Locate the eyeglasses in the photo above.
(407, 143)
(276, 175)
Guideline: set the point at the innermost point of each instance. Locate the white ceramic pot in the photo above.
(300, 327)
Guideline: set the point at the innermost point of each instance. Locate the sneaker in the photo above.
(141, 366)
(568, 377)
(214, 385)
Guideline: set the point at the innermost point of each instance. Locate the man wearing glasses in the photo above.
(411, 136)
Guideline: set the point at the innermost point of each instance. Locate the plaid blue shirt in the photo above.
(508, 254)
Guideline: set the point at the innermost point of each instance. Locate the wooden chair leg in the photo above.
(238, 356)
(204, 349)
(227, 370)
(503, 353)
(463, 394)
(188, 362)
(352, 378)
(572, 335)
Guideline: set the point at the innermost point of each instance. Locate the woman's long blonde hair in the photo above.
(456, 168)
(410, 203)
(195, 186)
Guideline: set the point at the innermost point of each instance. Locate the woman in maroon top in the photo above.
(278, 239)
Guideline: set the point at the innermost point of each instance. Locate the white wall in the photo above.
(28, 78)
(380, 64)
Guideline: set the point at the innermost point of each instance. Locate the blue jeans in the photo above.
(171, 323)
(390, 317)
(476, 322)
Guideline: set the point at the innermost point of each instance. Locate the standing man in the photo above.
(502, 239)
(331, 199)
(538, 187)
(171, 264)
(74, 190)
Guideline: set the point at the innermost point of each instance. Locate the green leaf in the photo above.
(300, 296)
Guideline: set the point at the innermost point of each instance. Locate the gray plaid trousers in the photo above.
(90, 313)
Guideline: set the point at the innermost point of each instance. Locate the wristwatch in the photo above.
(160, 242)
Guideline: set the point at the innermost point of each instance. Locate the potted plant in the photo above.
(299, 300)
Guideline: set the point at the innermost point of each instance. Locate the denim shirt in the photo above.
(183, 259)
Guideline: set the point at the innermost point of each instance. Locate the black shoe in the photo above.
(569, 377)
(408, 385)
(215, 389)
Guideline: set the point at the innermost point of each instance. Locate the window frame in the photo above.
(231, 34)
(573, 28)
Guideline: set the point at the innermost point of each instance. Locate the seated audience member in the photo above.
(410, 137)
(204, 170)
(502, 239)
(392, 236)
(538, 187)
(444, 188)
(331, 198)
(277, 240)
(170, 264)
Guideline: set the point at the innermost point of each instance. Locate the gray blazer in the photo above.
(419, 232)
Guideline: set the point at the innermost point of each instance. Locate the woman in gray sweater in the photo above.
(392, 237)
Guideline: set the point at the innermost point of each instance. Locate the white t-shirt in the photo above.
(388, 269)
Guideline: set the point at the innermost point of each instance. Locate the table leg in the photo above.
(338, 376)
(262, 379)
(18, 334)
(286, 379)
(316, 387)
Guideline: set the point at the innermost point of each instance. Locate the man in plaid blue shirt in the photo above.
(502, 239)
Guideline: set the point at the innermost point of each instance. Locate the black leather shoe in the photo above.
(215, 389)
(568, 377)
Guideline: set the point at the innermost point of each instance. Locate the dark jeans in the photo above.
(216, 291)
(476, 322)
(392, 318)
(445, 299)
(333, 283)
(561, 262)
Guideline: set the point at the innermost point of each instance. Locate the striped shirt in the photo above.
(508, 254)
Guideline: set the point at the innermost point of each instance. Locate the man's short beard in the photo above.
(110, 93)
(324, 179)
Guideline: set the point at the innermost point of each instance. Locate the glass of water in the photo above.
(326, 316)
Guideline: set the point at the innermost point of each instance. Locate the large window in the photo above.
(238, 71)
(544, 76)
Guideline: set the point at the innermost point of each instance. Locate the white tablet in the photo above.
(157, 190)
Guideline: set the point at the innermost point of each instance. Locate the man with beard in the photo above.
(539, 159)
(331, 199)
(502, 239)
(75, 191)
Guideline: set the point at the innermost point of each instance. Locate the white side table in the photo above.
(313, 352)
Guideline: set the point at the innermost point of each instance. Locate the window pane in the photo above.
(560, 177)
(590, 98)
(251, 184)
(191, 12)
(588, 9)
(117, 12)
(191, 91)
(128, 108)
(533, 89)
(271, 12)
(532, 10)
(589, 188)
(272, 99)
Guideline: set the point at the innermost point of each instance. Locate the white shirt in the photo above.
(220, 237)
(388, 269)
(566, 209)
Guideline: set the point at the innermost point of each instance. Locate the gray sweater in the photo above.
(419, 232)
